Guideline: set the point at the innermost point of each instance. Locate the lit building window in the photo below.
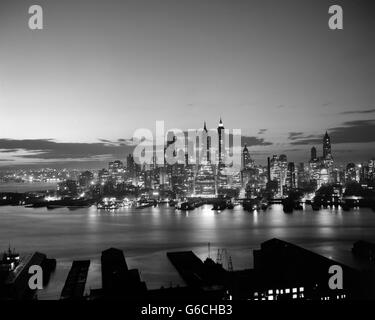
(287, 290)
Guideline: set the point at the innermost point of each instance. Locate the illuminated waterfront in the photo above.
(146, 235)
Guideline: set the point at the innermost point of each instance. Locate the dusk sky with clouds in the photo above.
(74, 93)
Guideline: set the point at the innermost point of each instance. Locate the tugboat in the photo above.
(184, 205)
(230, 204)
(107, 204)
(251, 204)
(172, 203)
(146, 204)
(264, 205)
(297, 206)
(288, 205)
(219, 205)
(315, 206)
(10, 260)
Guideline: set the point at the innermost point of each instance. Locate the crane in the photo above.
(222, 256)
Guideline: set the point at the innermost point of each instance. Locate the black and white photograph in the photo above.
(181, 157)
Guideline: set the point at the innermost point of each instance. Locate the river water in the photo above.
(145, 235)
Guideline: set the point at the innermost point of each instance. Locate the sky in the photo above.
(73, 93)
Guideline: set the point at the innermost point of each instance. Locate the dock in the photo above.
(75, 283)
(118, 281)
(197, 273)
(364, 250)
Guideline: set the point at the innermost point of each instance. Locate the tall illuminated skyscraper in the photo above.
(206, 143)
(327, 157)
(205, 184)
(246, 160)
(327, 154)
(313, 154)
(220, 131)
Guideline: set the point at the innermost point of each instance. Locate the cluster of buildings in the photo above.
(208, 175)
(284, 177)
(37, 175)
(282, 271)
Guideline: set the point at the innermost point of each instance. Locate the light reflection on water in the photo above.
(146, 235)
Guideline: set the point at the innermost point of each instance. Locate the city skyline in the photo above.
(121, 149)
(78, 89)
(157, 152)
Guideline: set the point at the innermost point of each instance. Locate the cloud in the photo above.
(357, 131)
(295, 135)
(8, 150)
(358, 111)
(48, 150)
(45, 149)
(292, 150)
(128, 142)
(105, 141)
(254, 141)
(120, 142)
(261, 131)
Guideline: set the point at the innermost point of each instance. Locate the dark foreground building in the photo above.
(282, 271)
(14, 278)
(74, 287)
(285, 271)
(118, 282)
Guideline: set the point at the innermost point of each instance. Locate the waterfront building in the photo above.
(205, 182)
(221, 153)
(292, 176)
(278, 172)
(85, 179)
(247, 162)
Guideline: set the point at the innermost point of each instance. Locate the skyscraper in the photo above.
(206, 142)
(327, 155)
(245, 157)
(220, 131)
(222, 179)
(205, 184)
(279, 167)
(292, 176)
(313, 154)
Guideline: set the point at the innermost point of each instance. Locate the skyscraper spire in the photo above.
(204, 127)
(220, 131)
(221, 125)
(327, 147)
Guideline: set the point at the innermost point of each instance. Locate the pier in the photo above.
(75, 283)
